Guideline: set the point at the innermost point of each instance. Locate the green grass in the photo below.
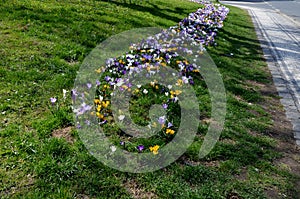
(42, 44)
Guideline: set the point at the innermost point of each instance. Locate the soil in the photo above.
(282, 132)
(64, 133)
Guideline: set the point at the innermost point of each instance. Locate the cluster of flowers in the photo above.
(136, 61)
(152, 54)
(203, 24)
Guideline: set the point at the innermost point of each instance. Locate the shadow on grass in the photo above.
(153, 9)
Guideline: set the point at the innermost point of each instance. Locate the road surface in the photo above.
(290, 8)
(278, 28)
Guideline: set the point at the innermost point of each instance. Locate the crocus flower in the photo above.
(165, 106)
(162, 119)
(89, 85)
(145, 91)
(103, 122)
(170, 131)
(113, 148)
(83, 108)
(154, 149)
(140, 148)
(107, 78)
(78, 126)
(53, 100)
(87, 122)
(98, 82)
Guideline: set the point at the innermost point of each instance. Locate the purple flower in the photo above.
(78, 126)
(107, 78)
(140, 148)
(98, 82)
(87, 122)
(165, 106)
(122, 143)
(191, 81)
(103, 122)
(169, 124)
(147, 57)
(109, 61)
(84, 108)
(53, 100)
(162, 119)
(89, 85)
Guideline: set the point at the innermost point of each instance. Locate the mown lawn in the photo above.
(43, 43)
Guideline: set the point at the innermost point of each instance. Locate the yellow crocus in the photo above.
(178, 92)
(105, 104)
(163, 64)
(170, 131)
(179, 82)
(100, 115)
(154, 149)
(99, 108)
(96, 101)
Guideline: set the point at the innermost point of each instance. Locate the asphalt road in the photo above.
(277, 25)
(290, 8)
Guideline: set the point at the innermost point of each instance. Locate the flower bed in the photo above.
(203, 24)
(148, 58)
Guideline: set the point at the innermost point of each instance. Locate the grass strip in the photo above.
(41, 47)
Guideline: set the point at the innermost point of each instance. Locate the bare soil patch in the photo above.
(138, 192)
(64, 133)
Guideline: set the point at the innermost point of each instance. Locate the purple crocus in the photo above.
(147, 57)
(83, 108)
(87, 122)
(191, 81)
(98, 82)
(89, 85)
(78, 126)
(165, 106)
(103, 122)
(53, 100)
(140, 148)
(107, 78)
(162, 119)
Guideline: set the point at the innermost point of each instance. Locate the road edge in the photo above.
(279, 81)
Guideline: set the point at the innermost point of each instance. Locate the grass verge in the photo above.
(41, 47)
